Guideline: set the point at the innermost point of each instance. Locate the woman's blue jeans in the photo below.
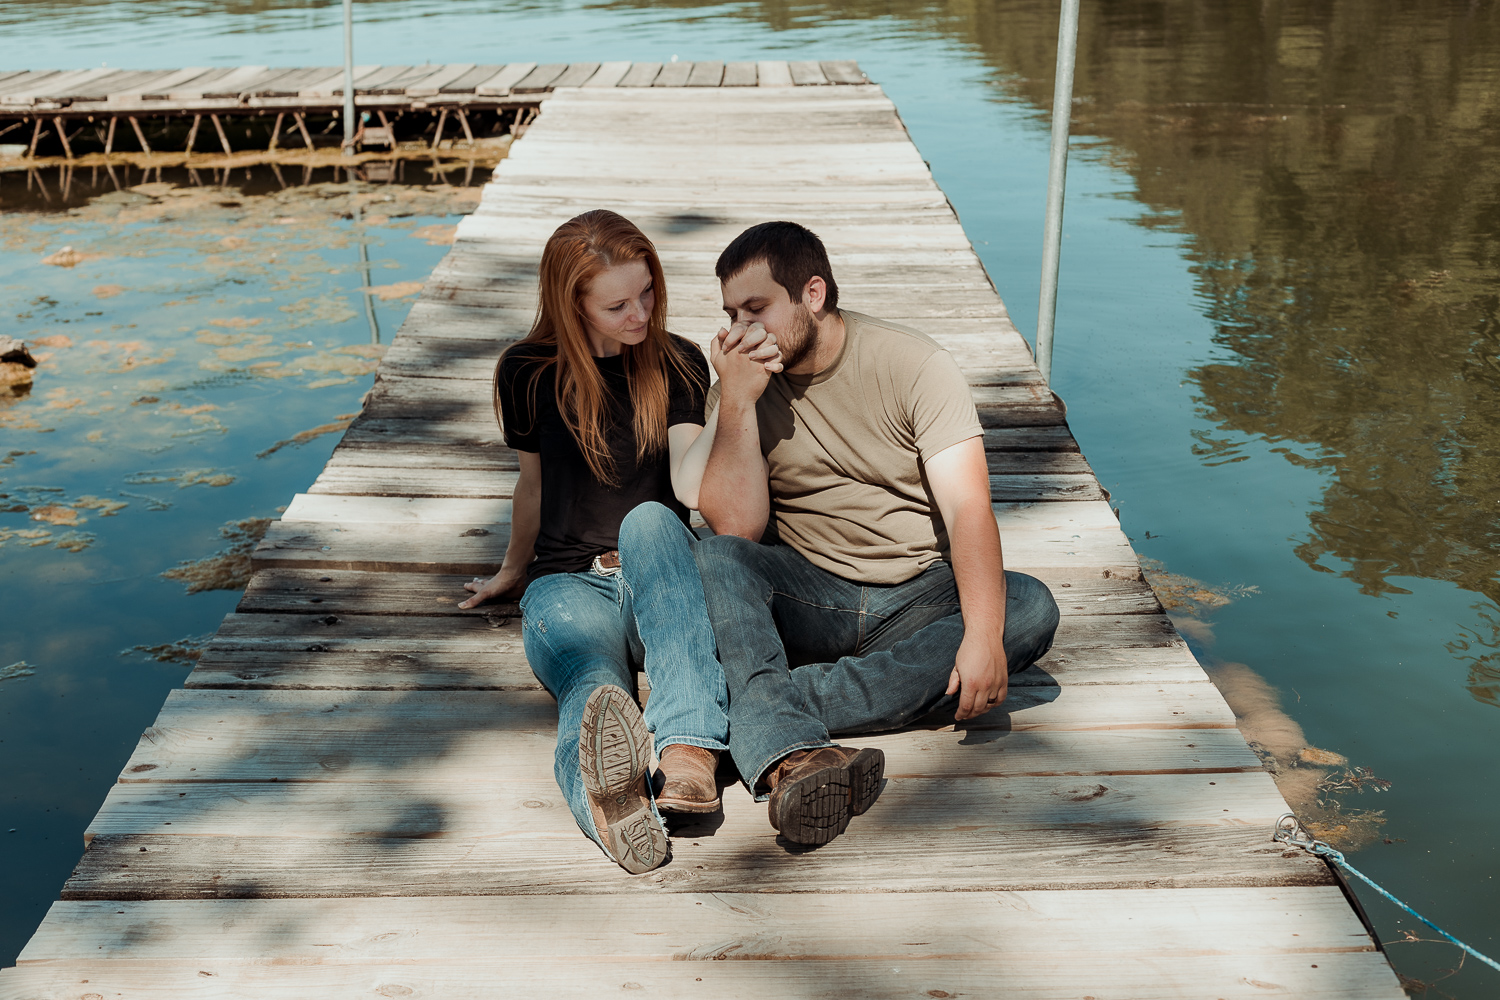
(584, 630)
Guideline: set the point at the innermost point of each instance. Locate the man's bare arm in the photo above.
(734, 497)
(960, 482)
(690, 445)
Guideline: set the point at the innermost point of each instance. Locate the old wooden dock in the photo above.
(376, 815)
(69, 112)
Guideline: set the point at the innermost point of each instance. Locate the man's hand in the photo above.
(742, 376)
(981, 673)
(754, 340)
(503, 586)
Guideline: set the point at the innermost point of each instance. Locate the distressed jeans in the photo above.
(584, 630)
(871, 658)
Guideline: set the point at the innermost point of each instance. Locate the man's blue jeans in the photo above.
(873, 657)
(584, 630)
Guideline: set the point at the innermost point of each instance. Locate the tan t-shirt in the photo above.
(846, 446)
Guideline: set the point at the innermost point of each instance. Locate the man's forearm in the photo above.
(978, 568)
(733, 498)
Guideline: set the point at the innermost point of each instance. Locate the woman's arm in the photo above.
(525, 522)
(690, 445)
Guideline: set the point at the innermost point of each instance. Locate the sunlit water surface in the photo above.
(1276, 336)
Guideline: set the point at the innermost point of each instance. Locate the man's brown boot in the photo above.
(866, 769)
(690, 786)
(614, 758)
(810, 795)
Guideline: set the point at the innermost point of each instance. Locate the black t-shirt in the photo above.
(580, 515)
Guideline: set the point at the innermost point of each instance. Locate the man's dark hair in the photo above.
(794, 253)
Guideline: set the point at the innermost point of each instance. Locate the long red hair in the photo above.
(578, 252)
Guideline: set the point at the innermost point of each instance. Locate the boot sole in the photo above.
(814, 809)
(687, 806)
(614, 754)
(866, 770)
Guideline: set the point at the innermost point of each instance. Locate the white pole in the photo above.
(1057, 176)
(349, 123)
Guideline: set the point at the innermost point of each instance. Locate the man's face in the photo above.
(753, 296)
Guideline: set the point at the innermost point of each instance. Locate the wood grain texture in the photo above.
(1308, 976)
(696, 927)
(154, 866)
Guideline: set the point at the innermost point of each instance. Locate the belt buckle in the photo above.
(607, 564)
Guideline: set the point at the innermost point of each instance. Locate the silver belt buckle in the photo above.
(603, 570)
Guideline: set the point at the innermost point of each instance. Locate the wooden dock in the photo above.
(377, 814)
(78, 110)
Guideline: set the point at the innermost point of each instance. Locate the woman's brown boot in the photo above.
(689, 785)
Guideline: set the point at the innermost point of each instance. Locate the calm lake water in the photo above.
(1277, 336)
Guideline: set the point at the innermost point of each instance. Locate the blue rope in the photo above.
(1295, 835)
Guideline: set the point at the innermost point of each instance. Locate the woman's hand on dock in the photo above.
(502, 586)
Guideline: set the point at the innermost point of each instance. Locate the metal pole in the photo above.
(349, 123)
(1057, 176)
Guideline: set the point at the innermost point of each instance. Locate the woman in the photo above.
(601, 404)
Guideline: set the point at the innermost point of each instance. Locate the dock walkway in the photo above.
(377, 816)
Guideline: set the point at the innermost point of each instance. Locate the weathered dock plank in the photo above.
(355, 768)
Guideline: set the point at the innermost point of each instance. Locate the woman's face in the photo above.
(617, 307)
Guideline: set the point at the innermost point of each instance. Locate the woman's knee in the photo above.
(648, 522)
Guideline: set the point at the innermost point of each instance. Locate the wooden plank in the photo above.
(71, 85)
(536, 808)
(806, 73)
(228, 86)
(405, 929)
(280, 735)
(246, 86)
(641, 75)
(539, 79)
(127, 87)
(434, 84)
(355, 592)
(576, 75)
(192, 90)
(399, 745)
(301, 662)
(293, 84)
(157, 90)
(371, 84)
(610, 74)
(705, 74)
(417, 668)
(147, 866)
(1125, 620)
(494, 629)
(499, 85)
(466, 83)
(477, 548)
(21, 82)
(773, 73)
(739, 74)
(396, 85)
(332, 85)
(843, 71)
(1308, 976)
(673, 74)
(27, 90)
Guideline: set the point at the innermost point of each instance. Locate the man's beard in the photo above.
(800, 341)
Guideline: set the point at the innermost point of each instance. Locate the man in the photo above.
(855, 580)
